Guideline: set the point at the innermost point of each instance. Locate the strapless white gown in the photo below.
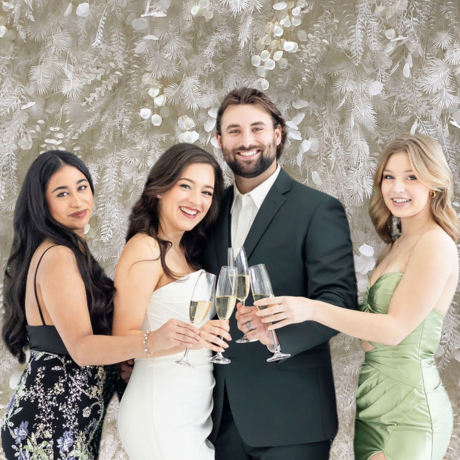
(165, 413)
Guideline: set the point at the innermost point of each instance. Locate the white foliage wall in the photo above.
(119, 81)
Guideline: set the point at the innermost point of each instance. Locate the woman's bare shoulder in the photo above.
(436, 238)
(383, 253)
(51, 255)
(140, 248)
(436, 244)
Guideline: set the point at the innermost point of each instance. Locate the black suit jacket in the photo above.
(303, 238)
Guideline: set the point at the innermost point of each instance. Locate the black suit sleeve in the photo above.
(328, 259)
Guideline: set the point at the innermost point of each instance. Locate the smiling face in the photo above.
(248, 140)
(403, 193)
(70, 199)
(187, 202)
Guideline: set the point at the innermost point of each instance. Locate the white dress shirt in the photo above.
(245, 208)
(244, 211)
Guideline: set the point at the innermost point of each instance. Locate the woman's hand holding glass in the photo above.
(285, 310)
(174, 333)
(262, 289)
(225, 302)
(212, 334)
(200, 303)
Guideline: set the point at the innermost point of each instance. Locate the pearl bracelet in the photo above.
(144, 343)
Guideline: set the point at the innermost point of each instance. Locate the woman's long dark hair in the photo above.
(145, 216)
(33, 223)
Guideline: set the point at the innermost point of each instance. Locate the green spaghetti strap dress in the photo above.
(402, 407)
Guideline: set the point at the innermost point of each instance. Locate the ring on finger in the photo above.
(248, 325)
(212, 330)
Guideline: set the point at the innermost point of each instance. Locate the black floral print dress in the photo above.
(58, 407)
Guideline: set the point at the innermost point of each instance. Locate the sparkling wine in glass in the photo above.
(261, 289)
(225, 302)
(237, 258)
(200, 303)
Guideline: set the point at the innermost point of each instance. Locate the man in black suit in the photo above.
(284, 410)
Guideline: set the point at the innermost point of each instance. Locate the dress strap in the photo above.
(35, 283)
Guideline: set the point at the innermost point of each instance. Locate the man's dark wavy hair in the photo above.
(252, 96)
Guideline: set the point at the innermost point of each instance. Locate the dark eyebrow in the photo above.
(235, 125)
(407, 171)
(193, 182)
(64, 187)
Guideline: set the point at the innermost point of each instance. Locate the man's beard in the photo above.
(249, 170)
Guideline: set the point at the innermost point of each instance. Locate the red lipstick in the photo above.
(79, 214)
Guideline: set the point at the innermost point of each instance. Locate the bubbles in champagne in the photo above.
(242, 287)
(198, 311)
(260, 297)
(224, 306)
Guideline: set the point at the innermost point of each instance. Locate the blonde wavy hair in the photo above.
(430, 166)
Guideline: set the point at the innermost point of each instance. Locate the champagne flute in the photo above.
(200, 303)
(237, 258)
(261, 289)
(225, 302)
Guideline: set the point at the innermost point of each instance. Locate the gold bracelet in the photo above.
(144, 343)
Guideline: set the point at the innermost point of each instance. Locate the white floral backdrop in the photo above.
(118, 81)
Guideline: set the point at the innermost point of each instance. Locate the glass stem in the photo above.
(277, 347)
(244, 333)
(185, 354)
(220, 353)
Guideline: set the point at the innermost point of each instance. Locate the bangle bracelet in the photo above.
(144, 343)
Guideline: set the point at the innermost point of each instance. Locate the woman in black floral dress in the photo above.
(58, 301)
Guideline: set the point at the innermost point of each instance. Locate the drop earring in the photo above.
(395, 227)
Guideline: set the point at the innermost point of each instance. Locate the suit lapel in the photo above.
(271, 205)
(222, 233)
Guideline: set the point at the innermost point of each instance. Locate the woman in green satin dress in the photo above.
(403, 411)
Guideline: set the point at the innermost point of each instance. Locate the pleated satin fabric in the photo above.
(402, 407)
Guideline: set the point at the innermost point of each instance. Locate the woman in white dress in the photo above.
(165, 413)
